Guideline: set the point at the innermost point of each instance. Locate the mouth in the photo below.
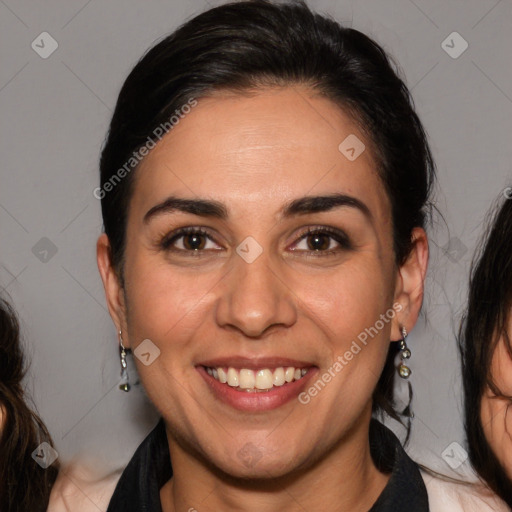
(255, 381)
(256, 385)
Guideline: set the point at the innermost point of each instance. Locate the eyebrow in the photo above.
(215, 209)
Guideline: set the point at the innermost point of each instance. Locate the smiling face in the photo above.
(286, 259)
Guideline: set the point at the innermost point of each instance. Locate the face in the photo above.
(278, 273)
(496, 413)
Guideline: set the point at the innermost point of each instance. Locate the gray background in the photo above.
(55, 113)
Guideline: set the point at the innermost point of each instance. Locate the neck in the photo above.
(345, 479)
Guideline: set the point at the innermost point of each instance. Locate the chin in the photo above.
(250, 463)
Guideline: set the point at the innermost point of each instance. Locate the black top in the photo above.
(138, 489)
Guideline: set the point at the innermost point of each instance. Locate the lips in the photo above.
(252, 384)
(260, 379)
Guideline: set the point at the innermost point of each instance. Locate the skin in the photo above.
(255, 153)
(496, 413)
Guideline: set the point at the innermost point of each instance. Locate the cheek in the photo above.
(501, 368)
(351, 300)
(163, 301)
(167, 307)
(496, 412)
(355, 317)
(496, 418)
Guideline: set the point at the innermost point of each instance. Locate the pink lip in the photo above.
(257, 402)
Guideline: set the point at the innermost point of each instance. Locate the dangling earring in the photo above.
(403, 370)
(125, 381)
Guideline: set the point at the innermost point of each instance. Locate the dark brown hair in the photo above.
(24, 485)
(484, 324)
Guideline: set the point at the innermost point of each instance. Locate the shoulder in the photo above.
(80, 488)
(465, 496)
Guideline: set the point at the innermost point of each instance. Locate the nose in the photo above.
(254, 297)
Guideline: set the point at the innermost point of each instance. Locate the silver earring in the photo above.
(125, 381)
(403, 370)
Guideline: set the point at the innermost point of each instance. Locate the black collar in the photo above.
(138, 489)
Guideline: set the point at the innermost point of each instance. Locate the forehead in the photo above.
(262, 148)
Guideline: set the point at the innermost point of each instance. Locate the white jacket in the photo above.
(447, 496)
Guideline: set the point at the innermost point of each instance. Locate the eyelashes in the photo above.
(322, 234)
(196, 241)
(190, 234)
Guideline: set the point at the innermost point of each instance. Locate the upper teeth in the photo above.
(259, 379)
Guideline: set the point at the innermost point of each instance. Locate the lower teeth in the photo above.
(254, 390)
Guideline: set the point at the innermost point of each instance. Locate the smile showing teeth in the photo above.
(259, 380)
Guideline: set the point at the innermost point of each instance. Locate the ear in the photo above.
(114, 292)
(410, 284)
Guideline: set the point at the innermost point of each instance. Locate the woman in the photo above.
(27, 466)
(487, 357)
(264, 188)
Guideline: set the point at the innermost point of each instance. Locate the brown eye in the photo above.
(318, 242)
(322, 241)
(194, 241)
(190, 239)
